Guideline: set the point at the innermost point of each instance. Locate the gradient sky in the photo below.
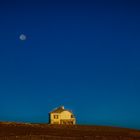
(84, 55)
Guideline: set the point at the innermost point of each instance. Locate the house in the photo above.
(61, 115)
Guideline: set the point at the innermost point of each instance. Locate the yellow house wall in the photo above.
(53, 120)
(65, 115)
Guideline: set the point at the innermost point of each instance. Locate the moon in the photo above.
(22, 37)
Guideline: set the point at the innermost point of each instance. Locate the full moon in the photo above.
(22, 37)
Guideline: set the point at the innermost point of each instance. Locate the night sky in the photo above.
(84, 55)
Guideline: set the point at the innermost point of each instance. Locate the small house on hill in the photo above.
(61, 116)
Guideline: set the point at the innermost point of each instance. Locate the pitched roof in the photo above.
(59, 110)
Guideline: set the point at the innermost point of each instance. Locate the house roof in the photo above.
(59, 110)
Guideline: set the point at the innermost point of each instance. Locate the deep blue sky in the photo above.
(81, 54)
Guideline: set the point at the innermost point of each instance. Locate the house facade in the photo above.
(62, 116)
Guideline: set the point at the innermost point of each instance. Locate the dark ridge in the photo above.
(28, 131)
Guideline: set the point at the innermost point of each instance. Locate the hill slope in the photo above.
(24, 131)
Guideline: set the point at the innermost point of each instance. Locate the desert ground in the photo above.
(27, 131)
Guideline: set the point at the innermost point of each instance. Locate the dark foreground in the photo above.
(20, 131)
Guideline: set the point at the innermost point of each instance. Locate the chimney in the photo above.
(62, 107)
